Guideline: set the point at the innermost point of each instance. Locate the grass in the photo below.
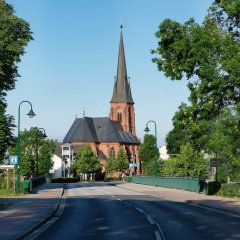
(7, 192)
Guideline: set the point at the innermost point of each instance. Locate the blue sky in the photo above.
(72, 61)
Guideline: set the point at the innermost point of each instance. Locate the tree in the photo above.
(86, 161)
(45, 156)
(208, 55)
(110, 166)
(189, 163)
(34, 151)
(148, 154)
(121, 161)
(6, 127)
(14, 36)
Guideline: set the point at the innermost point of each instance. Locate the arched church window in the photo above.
(119, 116)
(112, 153)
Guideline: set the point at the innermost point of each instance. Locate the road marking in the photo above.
(160, 231)
(129, 204)
(157, 234)
(140, 210)
(150, 219)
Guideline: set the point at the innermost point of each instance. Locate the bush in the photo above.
(229, 190)
(127, 179)
(66, 180)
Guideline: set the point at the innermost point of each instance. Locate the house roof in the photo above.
(122, 89)
(99, 130)
(58, 149)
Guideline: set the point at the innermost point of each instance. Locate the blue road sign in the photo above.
(13, 159)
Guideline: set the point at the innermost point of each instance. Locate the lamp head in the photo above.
(31, 114)
(146, 129)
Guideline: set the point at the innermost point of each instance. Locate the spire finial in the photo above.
(121, 26)
(83, 112)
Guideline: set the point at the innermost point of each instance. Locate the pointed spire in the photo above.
(122, 89)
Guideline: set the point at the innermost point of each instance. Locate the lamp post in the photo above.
(31, 114)
(147, 130)
(44, 136)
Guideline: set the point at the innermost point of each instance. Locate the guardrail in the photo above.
(184, 183)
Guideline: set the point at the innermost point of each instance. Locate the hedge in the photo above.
(229, 190)
(66, 180)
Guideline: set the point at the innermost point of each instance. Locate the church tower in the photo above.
(122, 105)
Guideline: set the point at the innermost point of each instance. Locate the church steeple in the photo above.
(122, 88)
(122, 105)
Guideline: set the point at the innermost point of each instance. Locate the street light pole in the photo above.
(31, 114)
(44, 136)
(147, 130)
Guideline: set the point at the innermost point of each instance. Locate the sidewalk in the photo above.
(228, 205)
(28, 211)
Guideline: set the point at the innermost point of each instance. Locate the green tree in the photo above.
(207, 52)
(14, 36)
(34, 150)
(110, 167)
(189, 163)
(208, 56)
(121, 161)
(86, 161)
(46, 151)
(148, 154)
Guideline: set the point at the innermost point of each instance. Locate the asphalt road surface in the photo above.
(102, 211)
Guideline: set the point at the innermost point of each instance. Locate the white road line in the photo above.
(140, 210)
(157, 234)
(161, 232)
(129, 204)
(150, 220)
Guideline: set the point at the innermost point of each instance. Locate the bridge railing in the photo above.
(184, 183)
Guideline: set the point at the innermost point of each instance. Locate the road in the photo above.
(102, 211)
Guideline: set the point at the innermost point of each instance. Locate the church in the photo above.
(106, 135)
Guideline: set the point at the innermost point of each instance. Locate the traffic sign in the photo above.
(13, 159)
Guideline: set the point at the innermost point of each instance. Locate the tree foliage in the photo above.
(208, 56)
(121, 161)
(149, 154)
(110, 166)
(34, 150)
(189, 163)
(86, 161)
(207, 52)
(14, 36)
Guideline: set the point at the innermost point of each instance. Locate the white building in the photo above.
(58, 168)
(163, 152)
(62, 159)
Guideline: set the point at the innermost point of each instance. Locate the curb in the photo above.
(193, 202)
(214, 208)
(26, 232)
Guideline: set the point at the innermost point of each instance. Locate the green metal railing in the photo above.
(184, 183)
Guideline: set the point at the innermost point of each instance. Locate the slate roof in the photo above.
(98, 130)
(58, 149)
(122, 89)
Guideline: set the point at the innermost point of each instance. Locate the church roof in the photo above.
(122, 88)
(100, 129)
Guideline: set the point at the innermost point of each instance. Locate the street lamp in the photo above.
(147, 130)
(44, 136)
(31, 114)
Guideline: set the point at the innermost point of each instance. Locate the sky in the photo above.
(71, 64)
